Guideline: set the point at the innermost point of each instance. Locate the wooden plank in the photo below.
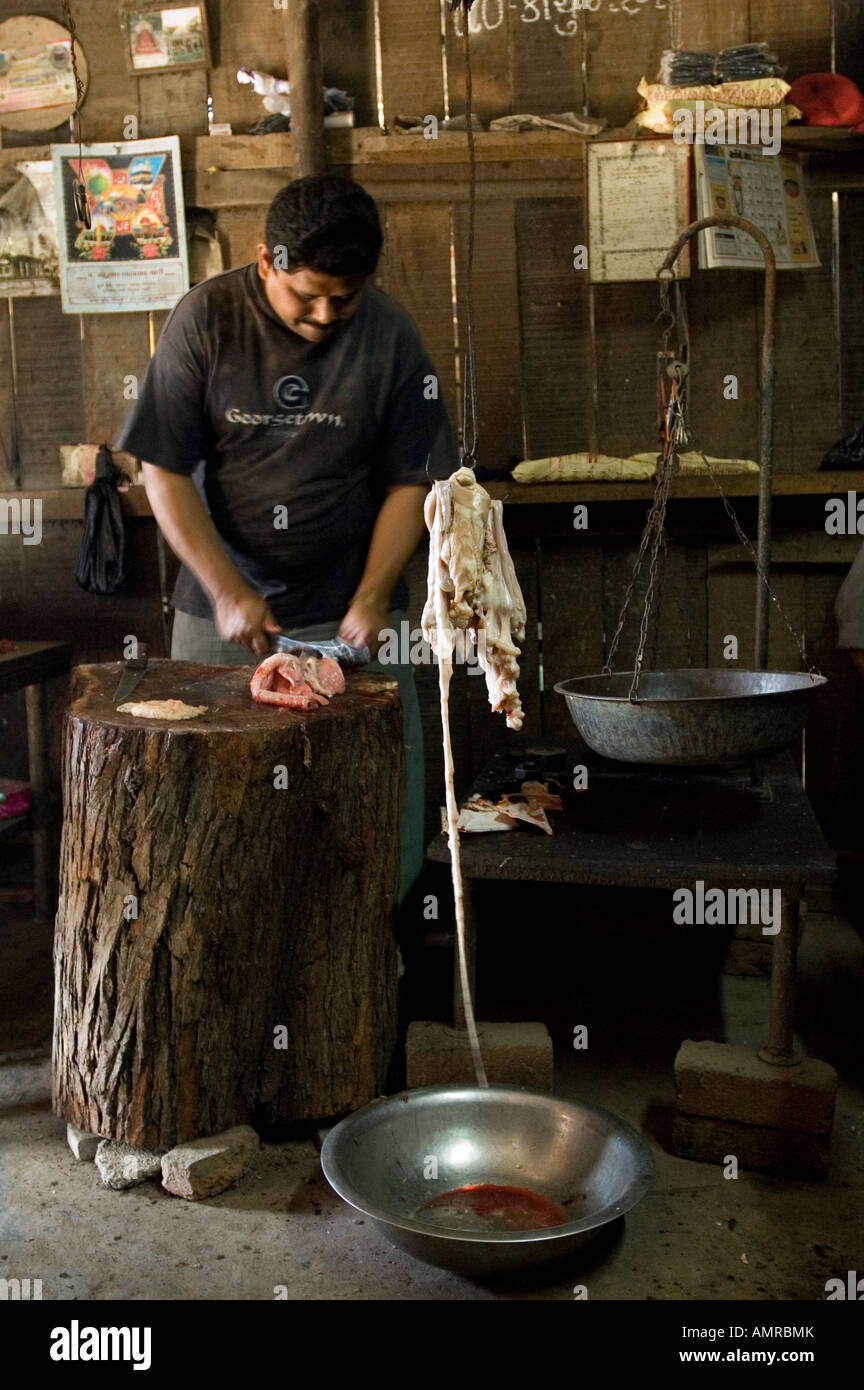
(112, 94)
(807, 354)
(115, 346)
(372, 147)
(834, 748)
(626, 373)
(173, 103)
(546, 58)
(707, 27)
(722, 308)
(415, 270)
(240, 231)
(496, 328)
(491, 45)
(553, 305)
(348, 54)
(731, 608)
(573, 632)
(254, 188)
(800, 34)
(623, 44)
(786, 484)
(412, 72)
(849, 39)
(50, 404)
(851, 309)
(247, 34)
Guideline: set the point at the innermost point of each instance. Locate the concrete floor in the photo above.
(695, 1236)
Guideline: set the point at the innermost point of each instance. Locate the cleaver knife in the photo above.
(348, 657)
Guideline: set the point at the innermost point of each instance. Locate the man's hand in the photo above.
(363, 622)
(241, 616)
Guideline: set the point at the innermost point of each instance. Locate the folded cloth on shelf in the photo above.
(603, 468)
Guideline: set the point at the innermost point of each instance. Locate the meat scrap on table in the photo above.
(478, 814)
(297, 682)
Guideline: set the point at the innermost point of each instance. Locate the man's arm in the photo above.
(398, 529)
(241, 616)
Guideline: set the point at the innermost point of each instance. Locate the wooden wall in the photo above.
(561, 366)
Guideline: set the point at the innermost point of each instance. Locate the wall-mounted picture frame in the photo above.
(164, 37)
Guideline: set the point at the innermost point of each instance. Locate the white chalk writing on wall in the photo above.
(486, 16)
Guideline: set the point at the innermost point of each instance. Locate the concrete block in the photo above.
(781, 1151)
(515, 1054)
(82, 1143)
(728, 1082)
(122, 1165)
(206, 1167)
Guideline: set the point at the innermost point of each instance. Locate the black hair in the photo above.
(324, 223)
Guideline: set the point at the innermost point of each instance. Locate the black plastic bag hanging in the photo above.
(102, 556)
(847, 453)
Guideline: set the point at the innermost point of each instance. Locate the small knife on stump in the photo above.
(134, 669)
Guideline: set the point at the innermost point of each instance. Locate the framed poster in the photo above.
(638, 203)
(163, 38)
(767, 190)
(133, 256)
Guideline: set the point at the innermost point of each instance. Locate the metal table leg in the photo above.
(40, 815)
(779, 1050)
(468, 891)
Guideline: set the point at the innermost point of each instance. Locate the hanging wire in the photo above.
(470, 416)
(79, 190)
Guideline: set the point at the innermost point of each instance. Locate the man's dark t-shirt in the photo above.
(291, 443)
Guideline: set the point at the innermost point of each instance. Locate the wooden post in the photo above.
(305, 73)
(224, 951)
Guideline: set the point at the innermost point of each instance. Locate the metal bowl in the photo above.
(692, 718)
(589, 1160)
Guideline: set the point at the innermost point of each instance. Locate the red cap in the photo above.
(826, 98)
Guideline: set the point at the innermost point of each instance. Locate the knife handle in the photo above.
(139, 662)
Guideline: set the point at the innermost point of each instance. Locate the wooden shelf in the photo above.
(67, 503)
(683, 489)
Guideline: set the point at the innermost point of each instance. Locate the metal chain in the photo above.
(671, 436)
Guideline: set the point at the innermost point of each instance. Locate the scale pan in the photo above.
(692, 718)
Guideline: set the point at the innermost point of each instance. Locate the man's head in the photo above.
(323, 239)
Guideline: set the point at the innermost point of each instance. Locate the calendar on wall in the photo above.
(766, 189)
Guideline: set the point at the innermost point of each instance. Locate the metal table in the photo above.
(28, 668)
(667, 828)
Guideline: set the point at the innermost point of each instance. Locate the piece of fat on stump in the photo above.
(470, 563)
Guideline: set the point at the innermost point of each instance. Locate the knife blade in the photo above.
(134, 670)
(347, 656)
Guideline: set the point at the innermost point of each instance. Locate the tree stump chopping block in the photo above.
(224, 947)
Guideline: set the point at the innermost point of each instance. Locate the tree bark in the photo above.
(264, 914)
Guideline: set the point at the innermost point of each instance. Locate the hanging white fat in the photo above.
(470, 564)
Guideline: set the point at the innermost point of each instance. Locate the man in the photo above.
(290, 424)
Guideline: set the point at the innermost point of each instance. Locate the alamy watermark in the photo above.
(705, 124)
(22, 516)
(408, 647)
(728, 907)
